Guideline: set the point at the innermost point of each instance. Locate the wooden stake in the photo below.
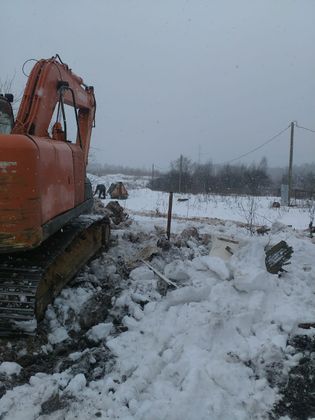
(169, 216)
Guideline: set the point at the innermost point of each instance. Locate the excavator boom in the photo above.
(52, 82)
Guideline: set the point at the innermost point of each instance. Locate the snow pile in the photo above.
(206, 350)
(68, 305)
(10, 368)
(200, 352)
(213, 348)
(216, 265)
(76, 384)
(99, 332)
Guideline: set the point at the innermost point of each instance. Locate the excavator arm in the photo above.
(52, 84)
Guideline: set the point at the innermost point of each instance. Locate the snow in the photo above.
(29, 326)
(99, 331)
(10, 368)
(217, 266)
(202, 351)
(206, 206)
(76, 384)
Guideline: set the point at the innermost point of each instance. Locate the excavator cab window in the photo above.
(6, 114)
(65, 126)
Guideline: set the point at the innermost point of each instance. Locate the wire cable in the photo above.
(25, 62)
(305, 128)
(258, 147)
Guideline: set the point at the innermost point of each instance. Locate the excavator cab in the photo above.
(6, 114)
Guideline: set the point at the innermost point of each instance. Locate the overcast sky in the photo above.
(209, 79)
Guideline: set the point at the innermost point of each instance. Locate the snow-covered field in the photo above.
(216, 346)
(236, 208)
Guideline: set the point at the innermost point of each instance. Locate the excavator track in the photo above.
(29, 281)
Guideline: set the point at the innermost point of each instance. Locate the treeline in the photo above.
(255, 179)
(107, 169)
(188, 177)
(303, 177)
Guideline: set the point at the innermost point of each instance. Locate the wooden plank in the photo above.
(158, 273)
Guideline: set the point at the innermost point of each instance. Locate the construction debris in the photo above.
(116, 212)
(262, 230)
(278, 256)
(98, 207)
(158, 273)
(223, 247)
(147, 252)
(113, 210)
(306, 325)
(164, 243)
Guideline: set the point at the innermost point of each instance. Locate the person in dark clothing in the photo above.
(101, 190)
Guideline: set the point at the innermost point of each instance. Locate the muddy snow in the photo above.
(223, 343)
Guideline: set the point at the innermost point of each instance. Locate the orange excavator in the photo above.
(45, 234)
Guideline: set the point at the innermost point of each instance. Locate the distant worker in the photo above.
(101, 190)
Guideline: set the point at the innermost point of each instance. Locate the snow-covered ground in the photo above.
(213, 347)
(237, 208)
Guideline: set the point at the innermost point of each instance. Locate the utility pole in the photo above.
(199, 154)
(180, 174)
(290, 164)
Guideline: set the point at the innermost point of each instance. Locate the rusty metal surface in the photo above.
(24, 239)
(39, 179)
(20, 219)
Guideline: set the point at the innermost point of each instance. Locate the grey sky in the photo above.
(171, 75)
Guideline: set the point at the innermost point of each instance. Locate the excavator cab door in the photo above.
(66, 128)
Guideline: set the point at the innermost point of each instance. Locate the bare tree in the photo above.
(248, 207)
(7, 86)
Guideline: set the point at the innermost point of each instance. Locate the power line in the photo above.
(305, 128)
(244, 154)
(258, 147)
